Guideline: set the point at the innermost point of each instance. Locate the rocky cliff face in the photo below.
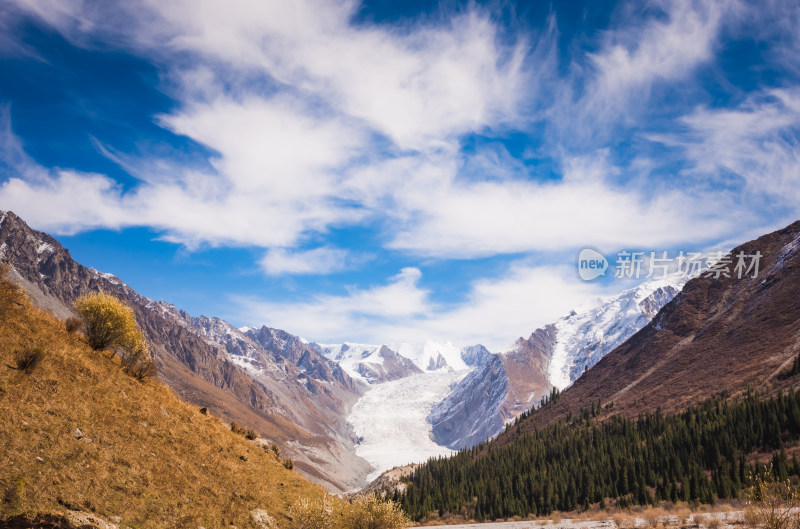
(473, 411)
(268, 381)
(392, 367)
(499, 389)
(475, 355)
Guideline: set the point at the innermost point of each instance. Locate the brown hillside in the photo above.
(717, 336)
(301, 406)
(77, 433)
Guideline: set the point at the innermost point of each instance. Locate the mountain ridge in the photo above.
(717, 336)
(516, 380)
(303, 414)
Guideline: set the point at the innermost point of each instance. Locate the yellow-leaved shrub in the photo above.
(110, 324)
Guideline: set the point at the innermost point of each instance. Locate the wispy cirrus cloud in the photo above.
(754, 146)
(665, 48)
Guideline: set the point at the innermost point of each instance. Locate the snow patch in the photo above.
(350, 355)
(787, 252)
(246, 363)
(44, 247)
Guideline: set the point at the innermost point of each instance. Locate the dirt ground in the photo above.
(727, 520)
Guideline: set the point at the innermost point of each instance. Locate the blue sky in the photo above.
(366, 172)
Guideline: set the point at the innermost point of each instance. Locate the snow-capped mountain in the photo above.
(406, 380)
(720, 334)
(430, 356)
(375, 364)
(554, 355)
(582, 339)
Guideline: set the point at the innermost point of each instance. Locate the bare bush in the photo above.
(751, 518)
(73, 324)
(623, 521)
(683, 515)
(652, 517)
(27, 358)
(775, 503)
(312, 513)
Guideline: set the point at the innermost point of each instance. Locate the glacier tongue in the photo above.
(390, 420)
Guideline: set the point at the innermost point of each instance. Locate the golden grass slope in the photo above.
(142, 455)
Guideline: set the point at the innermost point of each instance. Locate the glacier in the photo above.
(390, 419)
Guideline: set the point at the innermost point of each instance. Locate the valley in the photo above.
(349, 264)
(344, 412)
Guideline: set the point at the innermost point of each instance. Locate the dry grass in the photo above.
(751, 517)
(143, 455)
(683, 515)
(726, 511)
(653, 517)
(623, 521)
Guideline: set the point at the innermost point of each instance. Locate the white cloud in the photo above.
(756, 143)
(291, 98)
(57, 203)
(654, 46)
(439, 215)
(272, 146)
(495, 312)
(315, 123)
(352, 314)
(636, 56)
(419, 85)
(324, 260)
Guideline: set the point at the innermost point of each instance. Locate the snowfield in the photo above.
(583, 338)
(390, 420)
